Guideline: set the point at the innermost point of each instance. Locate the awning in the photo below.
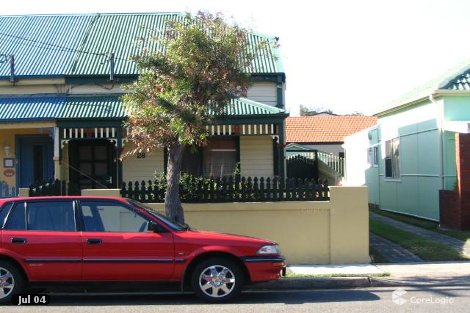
(60, 107)
(92, 107)
(30, 108)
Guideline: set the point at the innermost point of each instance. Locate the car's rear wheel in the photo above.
(11, 281)
(217, 280)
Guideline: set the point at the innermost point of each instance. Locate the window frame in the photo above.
(5, 212)
(373, 156)
(202, 154)
(116, 203)
(220, 144)
(25, 204)
(392, 156)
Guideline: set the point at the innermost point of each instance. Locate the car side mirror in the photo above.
(156, 228)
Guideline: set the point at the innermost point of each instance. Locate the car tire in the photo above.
(12, 281)
(217, 280)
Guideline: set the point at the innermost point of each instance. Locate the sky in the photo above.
(346, 56)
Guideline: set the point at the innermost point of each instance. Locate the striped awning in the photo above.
(30, 108)
(60, 107)
(93, 107)
(102, 107)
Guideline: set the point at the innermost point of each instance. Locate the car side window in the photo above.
(4, 212)
(108, 216)
(51, 216)
(16, 217)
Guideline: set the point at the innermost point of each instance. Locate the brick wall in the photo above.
(455, 205)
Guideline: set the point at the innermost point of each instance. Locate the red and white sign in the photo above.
(9, 172)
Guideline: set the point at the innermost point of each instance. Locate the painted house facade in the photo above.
(412, 153)
(61, 116)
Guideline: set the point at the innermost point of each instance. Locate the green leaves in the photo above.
(181, 90)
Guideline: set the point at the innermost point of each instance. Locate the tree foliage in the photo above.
(183, 86)
(307, 111)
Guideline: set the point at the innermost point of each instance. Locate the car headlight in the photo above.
(269, 249)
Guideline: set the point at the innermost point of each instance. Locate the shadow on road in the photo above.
(267, 297)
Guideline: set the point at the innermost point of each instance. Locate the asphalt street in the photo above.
(422, 299)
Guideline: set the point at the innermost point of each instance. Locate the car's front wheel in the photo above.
(217, 280)
(11, 281)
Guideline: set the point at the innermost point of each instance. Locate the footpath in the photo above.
(405, 269)
(369, 275)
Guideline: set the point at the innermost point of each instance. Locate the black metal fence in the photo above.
(302, 167)
(202, 189)
(54, 188)
(230, 189)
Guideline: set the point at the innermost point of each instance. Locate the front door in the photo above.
(93, 164)
(35, 162)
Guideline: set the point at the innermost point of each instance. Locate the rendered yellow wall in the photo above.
(349, 224)
(308, 232)
(101, 192)
(256, 156)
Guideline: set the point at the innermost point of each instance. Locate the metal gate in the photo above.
(302, 167)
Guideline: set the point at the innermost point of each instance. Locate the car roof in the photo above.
(6, 200)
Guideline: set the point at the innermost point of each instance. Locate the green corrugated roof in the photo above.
(244, 107)
(92, 107)
(30, 108)
(43, 45)
(79, 45)
(75, 107)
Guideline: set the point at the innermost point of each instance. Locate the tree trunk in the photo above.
(173, 208)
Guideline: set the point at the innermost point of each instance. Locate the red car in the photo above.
(106, 239)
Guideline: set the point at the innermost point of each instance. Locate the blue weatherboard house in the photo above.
(61, 116)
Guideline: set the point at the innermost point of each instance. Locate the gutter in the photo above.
(432, 95)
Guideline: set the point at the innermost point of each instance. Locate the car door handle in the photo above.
(93, 241)
(19, 241)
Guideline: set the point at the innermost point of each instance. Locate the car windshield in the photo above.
(161, 217)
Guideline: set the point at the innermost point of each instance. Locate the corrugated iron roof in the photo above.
(75, 107)
(244, 106)
(92, 107)
(42, 45)
(32, 108)
(79, 45)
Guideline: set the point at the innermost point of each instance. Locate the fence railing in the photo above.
(202, 189)
(333, 161)
(54, 188)
(230, 189)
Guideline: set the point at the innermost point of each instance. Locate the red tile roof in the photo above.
(313, 129)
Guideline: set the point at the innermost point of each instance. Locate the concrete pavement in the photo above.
(368, 275)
